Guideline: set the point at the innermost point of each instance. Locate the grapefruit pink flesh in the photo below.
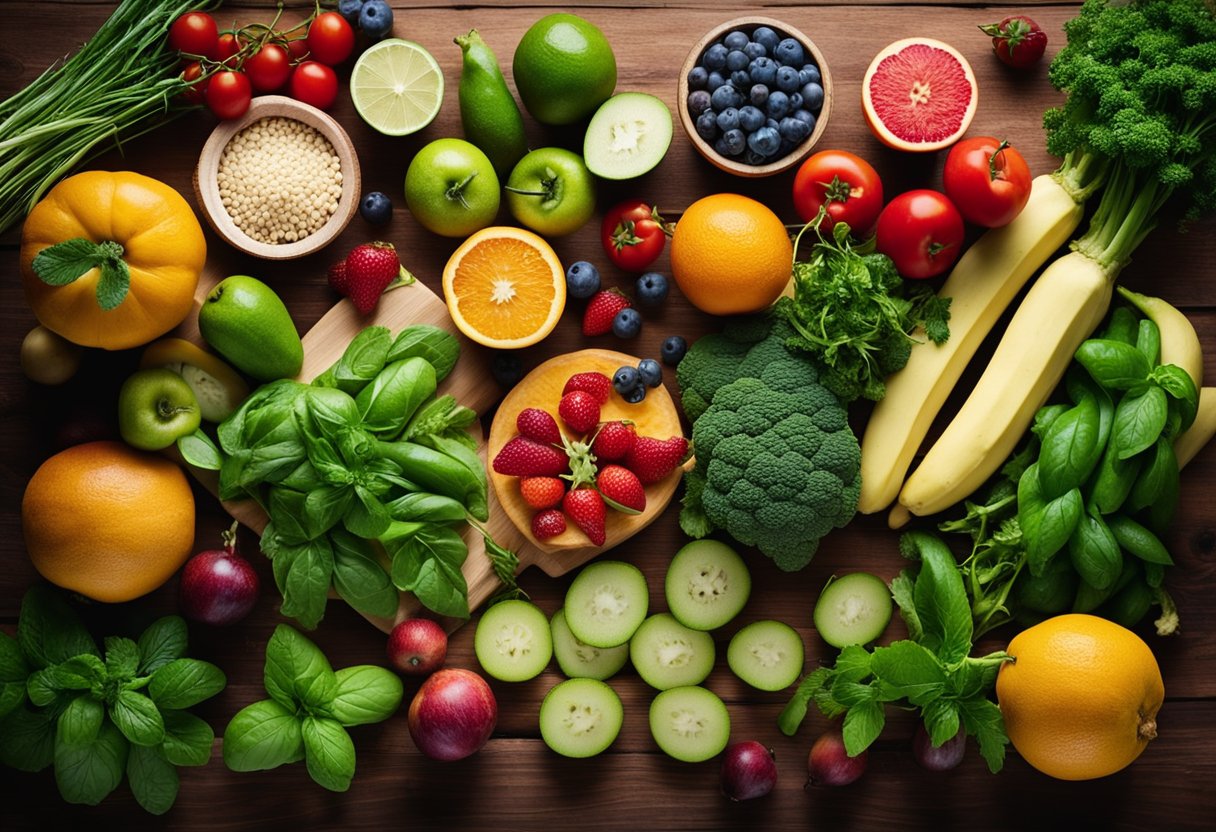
(919, 94)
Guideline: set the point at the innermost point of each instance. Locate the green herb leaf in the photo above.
(49, 630)
(1094, 552)
(122, 657)
(795, 710)
(188, 739)
(365, 694)
(185, 682)
(322, 508)
(425, 508)
(439, 347)
(262, 736)
(329, 753)
(854, 663)
(941, 717)
(153, 779)
(906, 670)
(360, 579)
(1070, 449)
(67, 262)
(138, 718)
(363, 358)
(1181, 387)
(862, 725)
(982, 720)
(941, 599)
(13, 674)
(292, 663)
(367, 517)
(1138, 540)
(80, 721)
(1113, 364)
(1139, 420)
(163, 641)
(428, 564)
(388, 403)
(901, 591)
(87, 773)
(304, 574)
(27, 739)
(198, 450)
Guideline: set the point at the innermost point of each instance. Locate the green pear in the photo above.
(246, 322)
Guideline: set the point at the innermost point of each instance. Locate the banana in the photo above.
(1179, 342)
(1192, 440)
(982, 285)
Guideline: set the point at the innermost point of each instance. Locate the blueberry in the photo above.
(715, 80)
(763, 70)
(812, 96)
(754, 158)
(787, 79)
(771, 123)
(734, 142)
(507, 368)
(672, 350)
(582, 280)
(636, 395)
(809, 74)
(720, 146)
(737, 59)
(758, 94)
(627, 323)
(376, 208)
(755, 50)
(350, 10)
(784, 148)
(740, 80)
(725, 96)
(808, 117)
(707, 125)
(750, 118)
(715, 57)
(652, 289)
(795, 101)
(698, 102)
(789, 52)
(778, 105)
(625, 379)
(698, 76)
(728, 119)
(793, 130)
(766, 37)
(765, 141)
(376, 19)
(735, 40)
(651, 372)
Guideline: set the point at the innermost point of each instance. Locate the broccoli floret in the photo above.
(716, 360)
(777, 466)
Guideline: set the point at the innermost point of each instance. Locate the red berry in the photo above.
(586, 508)
(548, 523)
(613, 441)
(538, 424)
(597, 384)
(601, 309)
(579, 410)
(370, 269)
(542, 492)
(653, 459)
(338, 280)
(621, 486)
(523, 457)
(1017, 40)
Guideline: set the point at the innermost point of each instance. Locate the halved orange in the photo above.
(505, 287)
(919, 94)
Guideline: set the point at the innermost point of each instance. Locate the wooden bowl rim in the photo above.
(796, 155)
(206, 186)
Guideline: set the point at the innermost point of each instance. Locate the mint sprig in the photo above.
(67, 262)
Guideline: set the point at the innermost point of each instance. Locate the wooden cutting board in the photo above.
(474, 387)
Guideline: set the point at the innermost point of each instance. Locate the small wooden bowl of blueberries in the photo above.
(754, 96)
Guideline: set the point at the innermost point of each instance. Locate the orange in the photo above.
(505, 287)
(1081, 698)
(108, 521)
(919, 94)
(730, 255)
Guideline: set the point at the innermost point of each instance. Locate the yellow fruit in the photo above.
(731, 255)
(1081, 698)
(505, 287)
(108, 521)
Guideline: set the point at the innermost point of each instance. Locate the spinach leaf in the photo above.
(1139, 420)
(428, 508)
(198, 450)
(329, 753)
(303, 574)
(87, 773)
(27, 739)
(122, 657)
(439, 347)
(48, 629)
(138, 718)
(364, 357)
(428, 563)
(185, 682)
(153, 779)
(388, 403)
(262, 736)
(80, 721)
(367, 517)
(292, 663)
(360, 579)
(161, 643)
(13, 673)
(188, 739)
(365, 694)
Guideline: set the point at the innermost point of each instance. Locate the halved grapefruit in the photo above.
(919, 94)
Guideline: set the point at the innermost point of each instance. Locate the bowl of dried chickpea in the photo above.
(280, 182)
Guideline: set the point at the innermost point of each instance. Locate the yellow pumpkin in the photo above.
(86, 234)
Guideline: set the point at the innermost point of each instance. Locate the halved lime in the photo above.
(397, 87)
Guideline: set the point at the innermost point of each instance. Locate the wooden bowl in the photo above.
(739, 167)
(206, 185)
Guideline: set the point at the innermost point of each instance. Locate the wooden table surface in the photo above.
(516, 782)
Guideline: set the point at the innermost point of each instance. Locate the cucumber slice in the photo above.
(512, 641)
(853, 609)
(582, 661)
(666, 654)
(606, 603)
(767, 655)
(690, 723)
(580, 717)
(628, 136)
(707, 584)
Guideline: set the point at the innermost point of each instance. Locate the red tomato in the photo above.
(268, 68)
(1018, 41)
(297, 48)
(330, 38)
(922, 232)
(633, 235)
(194, 33)
(846, 184)
(314, 83)
(194, 93)
(228, 94)
(987, 180)
(229, 45)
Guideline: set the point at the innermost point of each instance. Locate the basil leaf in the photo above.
(188, 739)
(1070, 449)
(428, 564)
(292, 663)
(13, 674)
(1139, 541)
(441, 416)
(1122, 325)
(1046, 529)
(122, 657)
(982, 720)
(185, 682)
(364, 357)
(262, 736)
(163, 641)
(1094, 552)
(198, 450)
(1114, 480)
(324, 507)
(1139, 420)
(1158, 480)
(304, 478)
(901, 591)
(423, 507)
(87, 773)
(367, 517)
(153, 779)
(1045, 417)
(291, 523)
(231, 431)
(79, 673)
(1148, 341)
(794, 712)
(48, 629)
(851, 694)
(27, 739)
(138, 718)
(1113, 364)
(323, 412)
(80, 721)
(941, 599)
(304, 574)
(909, 671)
(1178, 383)
(388, 403)
(941, 719)
(329, 753)
(360, 579)
(862, 725)
(475, 493)
(365, 694)
(439, 347)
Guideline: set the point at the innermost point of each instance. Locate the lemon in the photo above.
(564, 69)
(396, 87)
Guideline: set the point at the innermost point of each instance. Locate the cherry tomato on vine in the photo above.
(194, 33)
(330, 38)
(1018, 41)
(228, 94)
(845, 183)
(268, 68)
(633, 234)
(194, 93)
(314, 83)
(229, 46)
(987, 180)
(922, 232)
(297, 48)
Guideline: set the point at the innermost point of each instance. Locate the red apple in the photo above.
(453, 714)
(417, 646)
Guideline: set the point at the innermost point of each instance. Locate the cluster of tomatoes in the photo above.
(225, 69)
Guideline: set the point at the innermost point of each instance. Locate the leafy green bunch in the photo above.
(309, 709)
(931, 672)
(96, 716)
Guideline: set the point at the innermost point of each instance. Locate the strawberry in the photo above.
(586, 508)
(601, 309)
(524, 457)
(538, 424)
(597, 384)
(542, 492)
(613, 441)
(337, 278)
(579, 410)
(548, 523)
(653, 459)
(372, 269)
(621, 488)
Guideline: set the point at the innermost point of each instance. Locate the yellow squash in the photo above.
(111, 259)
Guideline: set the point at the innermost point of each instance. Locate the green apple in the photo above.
(451, 188)
(155, 409)
(551, 191)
